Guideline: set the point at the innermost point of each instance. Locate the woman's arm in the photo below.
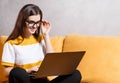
(7, 70)
(49, 47)
(45, 27)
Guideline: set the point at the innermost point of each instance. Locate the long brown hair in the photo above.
(25, 12)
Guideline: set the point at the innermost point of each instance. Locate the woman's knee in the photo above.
(18, 72)
(77, 74)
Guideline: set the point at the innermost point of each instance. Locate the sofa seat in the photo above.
(100, 63)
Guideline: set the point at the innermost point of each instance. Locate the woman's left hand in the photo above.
(45, 27)
(33, 69)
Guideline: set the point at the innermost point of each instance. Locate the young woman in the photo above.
(25, 48)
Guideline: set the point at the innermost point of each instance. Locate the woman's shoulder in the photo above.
(15, 41)
(26, 41)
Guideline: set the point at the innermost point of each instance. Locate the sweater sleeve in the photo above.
(8, 55)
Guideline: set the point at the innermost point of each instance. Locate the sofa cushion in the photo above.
(101, 61)
(2, 40)
(57, 43)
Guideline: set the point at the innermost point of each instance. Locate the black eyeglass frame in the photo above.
(31, 23)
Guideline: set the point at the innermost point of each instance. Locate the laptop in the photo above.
(56, 64)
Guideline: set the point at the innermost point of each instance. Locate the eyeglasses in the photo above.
(31, 24)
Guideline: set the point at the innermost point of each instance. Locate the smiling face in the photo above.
(32, 24)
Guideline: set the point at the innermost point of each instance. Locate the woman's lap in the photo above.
(18, 75)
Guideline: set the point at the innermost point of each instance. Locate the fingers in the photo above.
(35, 68)
(45, 27)
(45, 23)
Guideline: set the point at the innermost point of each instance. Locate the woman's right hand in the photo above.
(33, 69)
(45, 27)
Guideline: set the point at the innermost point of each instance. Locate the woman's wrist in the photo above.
(46, 36)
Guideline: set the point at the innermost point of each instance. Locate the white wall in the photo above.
(86, 17)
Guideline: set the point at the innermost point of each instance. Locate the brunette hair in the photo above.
(25, 12)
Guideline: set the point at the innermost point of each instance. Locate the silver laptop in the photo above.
(55, 64)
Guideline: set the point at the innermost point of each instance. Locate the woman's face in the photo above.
(32, 24)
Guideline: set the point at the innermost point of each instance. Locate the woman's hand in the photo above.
(45, 27)
(33, 69)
